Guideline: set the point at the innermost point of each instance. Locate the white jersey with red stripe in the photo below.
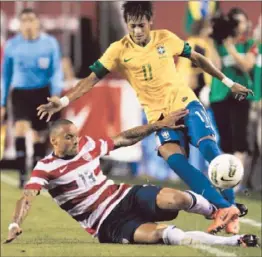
(78, 185)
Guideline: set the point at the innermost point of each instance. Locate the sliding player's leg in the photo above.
(152, 233)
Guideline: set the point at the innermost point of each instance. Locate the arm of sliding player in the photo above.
(22, 208)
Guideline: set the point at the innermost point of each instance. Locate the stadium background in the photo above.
(84, 30)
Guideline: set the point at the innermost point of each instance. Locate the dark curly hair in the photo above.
(138, 9)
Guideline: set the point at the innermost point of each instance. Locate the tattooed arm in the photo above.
(21, 210)
(134, 135)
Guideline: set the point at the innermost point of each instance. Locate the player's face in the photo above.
(67, 140)
(139, 29)
(207, 29)
(243, 24)
(29, 25)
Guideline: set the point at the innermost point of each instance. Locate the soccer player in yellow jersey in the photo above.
(145, 59)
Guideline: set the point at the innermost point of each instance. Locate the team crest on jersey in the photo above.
(165, 135)
(87, 157)
(161, 50)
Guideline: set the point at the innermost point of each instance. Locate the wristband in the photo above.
(64, 101)
(13, 225)
(228, 82)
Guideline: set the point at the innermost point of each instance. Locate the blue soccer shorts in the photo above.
(197, 125)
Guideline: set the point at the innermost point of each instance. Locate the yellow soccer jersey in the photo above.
(186, 68)
(151, 71)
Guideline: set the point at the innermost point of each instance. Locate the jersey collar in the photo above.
(143, 48)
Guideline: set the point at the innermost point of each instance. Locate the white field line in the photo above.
(211, 250)
(250, 222)
(13, 182)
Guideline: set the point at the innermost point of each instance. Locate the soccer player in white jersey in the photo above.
(115, 213)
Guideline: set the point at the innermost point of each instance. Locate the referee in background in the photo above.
(32, 67)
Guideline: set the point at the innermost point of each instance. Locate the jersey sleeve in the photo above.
(108, 61)
(38, 179)
(178, 46)
(105, 145)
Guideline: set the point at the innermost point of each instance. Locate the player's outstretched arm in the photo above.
(55, 104)
(205, 64)
(22, 208)
(134, 135)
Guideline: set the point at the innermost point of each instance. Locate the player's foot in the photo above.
(249, 241)
(242, 208)
(222, 218)
(233, 226)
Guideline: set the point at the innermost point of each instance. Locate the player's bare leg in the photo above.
(152, 233)
(21, 129)
(174, 155)
(176, 200)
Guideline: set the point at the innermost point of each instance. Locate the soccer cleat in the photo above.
(242, 208)
(233, 226)
(222, 217)
(249, 241)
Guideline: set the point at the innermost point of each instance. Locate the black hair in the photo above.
(138, 9)
(57, 124)
(26, 11)
(198, 25)
(235, 11)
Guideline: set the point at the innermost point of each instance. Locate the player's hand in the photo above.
(13, 234)
(228, 42)
(171, 120)
(54, 105)
(240, 92)
(2, 115)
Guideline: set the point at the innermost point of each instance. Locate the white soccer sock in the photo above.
(176, 236)
(200, 205)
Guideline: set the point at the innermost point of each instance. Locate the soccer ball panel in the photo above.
(225, 171)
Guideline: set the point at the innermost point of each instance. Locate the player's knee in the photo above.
(169, 149)
(181, 200)
(173, 199)
(209, 137)
(155, 236)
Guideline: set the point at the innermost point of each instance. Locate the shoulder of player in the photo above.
(46, 160)
(12, 42)
(49, 38)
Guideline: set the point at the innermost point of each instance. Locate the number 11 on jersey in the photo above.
(147, 70)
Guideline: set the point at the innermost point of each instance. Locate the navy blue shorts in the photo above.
(137, 208)
(197, 125)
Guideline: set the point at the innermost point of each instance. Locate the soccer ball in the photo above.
(225, 171)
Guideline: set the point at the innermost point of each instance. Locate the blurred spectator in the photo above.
(238, 57)
(197, 10)
(32, 66)
(252, 177)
